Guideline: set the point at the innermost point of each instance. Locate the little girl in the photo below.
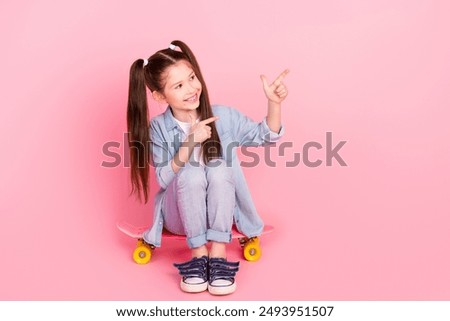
(192, 146)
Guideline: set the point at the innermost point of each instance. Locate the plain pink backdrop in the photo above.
(374, 73)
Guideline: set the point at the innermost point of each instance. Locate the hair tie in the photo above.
(173, 47)
(145, 62)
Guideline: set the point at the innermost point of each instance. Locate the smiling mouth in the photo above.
(193, 98)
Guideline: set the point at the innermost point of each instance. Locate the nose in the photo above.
(191, 88)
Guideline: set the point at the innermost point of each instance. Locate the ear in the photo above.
(158, 97)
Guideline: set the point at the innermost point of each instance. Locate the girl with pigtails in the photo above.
(191, 145)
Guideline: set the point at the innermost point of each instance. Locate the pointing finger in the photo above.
(209, 120)
(281, 76)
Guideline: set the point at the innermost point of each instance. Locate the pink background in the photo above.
(375, 73)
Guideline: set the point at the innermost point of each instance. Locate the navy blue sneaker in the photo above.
(221, 276)
(194, 274)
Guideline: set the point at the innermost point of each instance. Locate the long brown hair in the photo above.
(139, 138)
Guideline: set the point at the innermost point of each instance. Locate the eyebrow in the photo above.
(175, 84)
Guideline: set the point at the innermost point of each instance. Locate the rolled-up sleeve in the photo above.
(273, 136)
(160, 156)
(250, 133)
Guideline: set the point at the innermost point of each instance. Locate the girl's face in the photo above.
(182, 89)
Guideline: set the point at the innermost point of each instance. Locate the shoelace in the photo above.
(220, 269)
(195, 268)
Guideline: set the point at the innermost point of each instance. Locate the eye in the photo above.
(192, 77)
(178, 86)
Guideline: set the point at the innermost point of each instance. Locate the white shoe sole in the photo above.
(193, 288)
(222, 290)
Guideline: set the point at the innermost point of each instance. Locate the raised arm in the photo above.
(275, 92)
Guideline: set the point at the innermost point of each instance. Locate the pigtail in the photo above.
(211, 147)
(138, 131)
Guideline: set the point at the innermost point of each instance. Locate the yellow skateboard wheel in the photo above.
(252, 250)
(142, 253)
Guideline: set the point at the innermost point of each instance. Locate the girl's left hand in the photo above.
(277, 91)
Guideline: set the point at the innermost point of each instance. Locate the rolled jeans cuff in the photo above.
(216, 236)
(196, 241)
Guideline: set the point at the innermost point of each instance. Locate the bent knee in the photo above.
(217, 171)
(191, 176)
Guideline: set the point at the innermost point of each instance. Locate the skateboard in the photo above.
(143, 252)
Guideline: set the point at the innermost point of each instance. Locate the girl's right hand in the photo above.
(201, 131)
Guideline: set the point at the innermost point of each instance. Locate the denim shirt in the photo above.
(234, 130)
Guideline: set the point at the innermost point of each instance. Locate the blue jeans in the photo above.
(200, 203)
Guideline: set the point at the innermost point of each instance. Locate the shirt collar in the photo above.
(169, 120)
